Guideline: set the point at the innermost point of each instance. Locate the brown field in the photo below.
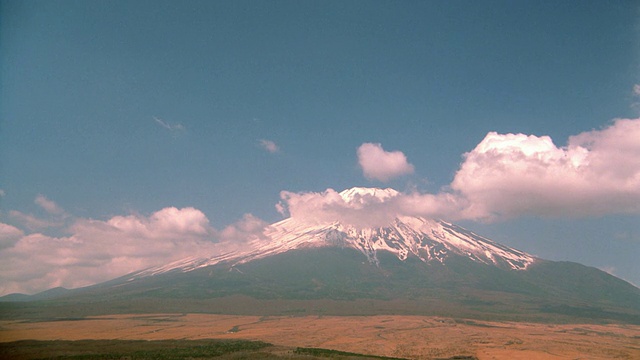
(417, 337)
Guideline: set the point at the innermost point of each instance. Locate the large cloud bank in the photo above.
(505, 176)
(96, 251)
(596, 173)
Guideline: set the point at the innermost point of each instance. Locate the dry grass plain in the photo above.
(416, 337)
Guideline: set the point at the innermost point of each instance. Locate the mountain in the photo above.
(427, 240)
(44, 295)
(411, 265)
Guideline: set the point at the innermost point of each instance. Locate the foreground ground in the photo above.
(395, 336)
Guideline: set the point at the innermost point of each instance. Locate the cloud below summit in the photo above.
(97, 250)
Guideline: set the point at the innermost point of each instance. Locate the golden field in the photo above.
(416, 337)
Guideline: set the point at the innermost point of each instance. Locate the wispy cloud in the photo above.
(2, 193)
(32, 222)
(378, 164)
(177, 127)
(635, 104)
(48, 205)
(54, 216)
(269, 146)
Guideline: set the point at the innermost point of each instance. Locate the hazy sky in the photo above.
(138, 132)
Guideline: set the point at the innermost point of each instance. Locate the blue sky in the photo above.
(120, 109)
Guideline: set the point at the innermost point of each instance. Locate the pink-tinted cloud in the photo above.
(378, 164)
(246, 229)
(96, 250)
(327, 206)
(369, 210)
(596, 173)
(166, 223)
(269, 145)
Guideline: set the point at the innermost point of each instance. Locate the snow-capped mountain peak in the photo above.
(407, 236)
(429, 240)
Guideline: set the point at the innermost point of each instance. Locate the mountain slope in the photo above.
(411, 265)
(340, 281)
(428, 240)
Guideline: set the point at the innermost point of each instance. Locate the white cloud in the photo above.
(329, 206)
(169, 222)
(636, 90)
(511, 175)
(2, 193)
(269, 145)
(96, 251)
(367, 211)
(378, 164)
(171, 127)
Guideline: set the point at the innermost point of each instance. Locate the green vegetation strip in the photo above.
(337, 354)
(165, 350)
(126, 349)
